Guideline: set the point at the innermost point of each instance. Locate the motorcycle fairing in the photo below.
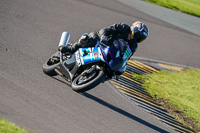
(90, 55)
(70, 66)
(127, 53)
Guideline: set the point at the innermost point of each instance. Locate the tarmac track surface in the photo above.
(30, 32)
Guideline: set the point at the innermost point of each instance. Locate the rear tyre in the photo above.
(50, 65)
(88, 80)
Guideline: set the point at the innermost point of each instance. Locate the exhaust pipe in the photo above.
(64, 39)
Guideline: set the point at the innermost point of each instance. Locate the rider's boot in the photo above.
(70, 49)
(66, 50)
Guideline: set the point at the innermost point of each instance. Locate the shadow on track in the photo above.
(123, 112)
(104, 103)
(64, 82)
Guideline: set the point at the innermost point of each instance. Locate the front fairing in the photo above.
(114, 58)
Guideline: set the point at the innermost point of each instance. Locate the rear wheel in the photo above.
(88, 79)
(51, 64)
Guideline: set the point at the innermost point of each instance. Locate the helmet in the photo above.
(139, 31)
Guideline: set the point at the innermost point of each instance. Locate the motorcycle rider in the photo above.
(133, 35)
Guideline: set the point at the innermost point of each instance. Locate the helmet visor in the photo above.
(138, 36)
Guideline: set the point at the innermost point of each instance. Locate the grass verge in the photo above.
(8, 127)
(178, 91)
(188, 6)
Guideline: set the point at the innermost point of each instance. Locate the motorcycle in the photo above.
(88, 67)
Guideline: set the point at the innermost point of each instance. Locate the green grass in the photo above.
(180, 89)
(8, 127)
(188, 6)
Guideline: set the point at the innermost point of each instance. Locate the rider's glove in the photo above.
(104, 41)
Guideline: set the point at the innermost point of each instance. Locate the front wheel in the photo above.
(88, 79)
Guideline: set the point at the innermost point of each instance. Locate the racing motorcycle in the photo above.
(88, 67)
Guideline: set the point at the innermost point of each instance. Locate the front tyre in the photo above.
(88, 80)
(50, 65)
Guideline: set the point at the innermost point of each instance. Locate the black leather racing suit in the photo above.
(114, 32)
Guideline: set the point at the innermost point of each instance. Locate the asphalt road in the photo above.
(30, 32)
(182, 20)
